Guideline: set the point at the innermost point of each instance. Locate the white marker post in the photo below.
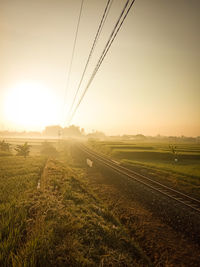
(89, 163)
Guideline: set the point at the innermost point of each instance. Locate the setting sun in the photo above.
(31, 105)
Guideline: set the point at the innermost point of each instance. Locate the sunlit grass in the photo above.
(60, 224)
(18, 176)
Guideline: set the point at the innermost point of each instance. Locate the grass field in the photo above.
(179, 168)
(61, 223)
(18, 180)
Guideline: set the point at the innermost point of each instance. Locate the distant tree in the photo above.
(48, 149)
(53, 130)
(97, 135)
(72, 131)
(4, 146)
(140, 136)
(23, 150)
(56, 130)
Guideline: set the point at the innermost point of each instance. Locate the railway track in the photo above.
(183, 199)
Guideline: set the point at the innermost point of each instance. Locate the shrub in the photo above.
(4, 146)
(48, 149)
(23, 150)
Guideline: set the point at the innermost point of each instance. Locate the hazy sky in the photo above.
(149, 82)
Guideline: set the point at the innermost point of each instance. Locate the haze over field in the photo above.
(149, 82)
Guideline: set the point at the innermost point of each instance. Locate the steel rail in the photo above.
(180, 197)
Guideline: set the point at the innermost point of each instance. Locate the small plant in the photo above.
(4, 146)
(23, 150)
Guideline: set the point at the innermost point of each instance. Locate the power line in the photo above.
(73, 51)
(115, 34)
(104, 17)
(107, 46)
(112, 37)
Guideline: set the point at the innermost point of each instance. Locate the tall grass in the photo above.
(18, 176)
(60, 224)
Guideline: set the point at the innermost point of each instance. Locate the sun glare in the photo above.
(31, 106)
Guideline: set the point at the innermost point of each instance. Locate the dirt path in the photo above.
(161, 243)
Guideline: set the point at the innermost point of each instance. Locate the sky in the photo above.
(149, 82)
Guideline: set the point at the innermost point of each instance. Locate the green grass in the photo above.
(60, 224)
(156, 154)
(184, 167)
(184, 173)
(18, 177)
(4, 154)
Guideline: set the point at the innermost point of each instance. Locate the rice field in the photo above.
(18, 179)
(176, 164)
(59, 223)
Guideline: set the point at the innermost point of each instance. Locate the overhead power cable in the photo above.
(73, 51)
(103, 19)
(112, 37)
